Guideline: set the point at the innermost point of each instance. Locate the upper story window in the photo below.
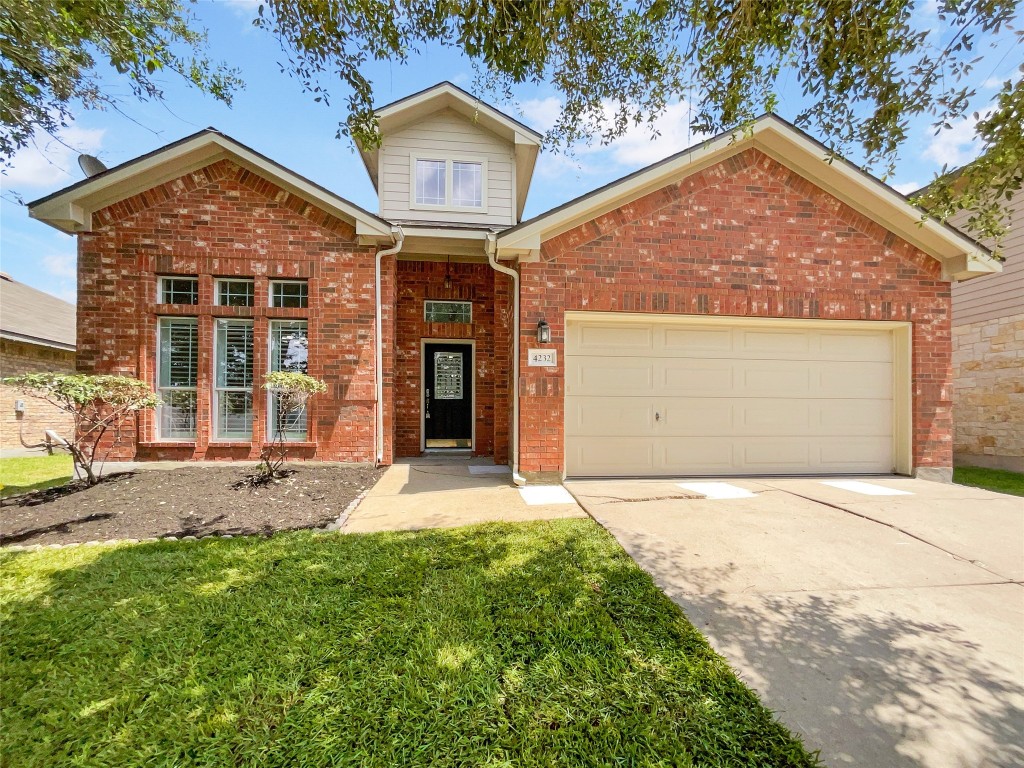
(289, 293)
(449, 184)
(178, 290)
(236, 293)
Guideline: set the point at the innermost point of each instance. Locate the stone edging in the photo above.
(331, 527)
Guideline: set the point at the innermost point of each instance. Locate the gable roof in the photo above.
(445, 95)
(70, 209)
(960, 256)
(35, 317)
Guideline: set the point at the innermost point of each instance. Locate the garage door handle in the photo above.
(657, 416)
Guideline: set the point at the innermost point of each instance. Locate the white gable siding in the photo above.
(448, 135)
(1001, 294)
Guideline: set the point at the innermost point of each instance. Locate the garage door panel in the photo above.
(732, 399)
(630, 339)
(854, 346)
(693, 378)
(598, 416)
(864, 454)
(610, 456)
(849, 380)
(609, 376)
(793, 344)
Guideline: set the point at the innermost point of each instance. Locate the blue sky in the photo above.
(274, 117)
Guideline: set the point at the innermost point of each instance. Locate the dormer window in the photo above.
(450, 184)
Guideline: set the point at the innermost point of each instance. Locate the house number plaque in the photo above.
(447, 375)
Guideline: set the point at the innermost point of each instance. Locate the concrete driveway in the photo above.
(888, 630)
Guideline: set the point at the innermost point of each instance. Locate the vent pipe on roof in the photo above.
(90, 165)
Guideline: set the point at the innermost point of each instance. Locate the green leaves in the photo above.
(51, 50)
(866, 67)
(77, 390)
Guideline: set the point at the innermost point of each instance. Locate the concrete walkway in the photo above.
(444, 492)
(887, 630)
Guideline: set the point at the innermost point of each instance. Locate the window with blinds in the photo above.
(233, 385)
(289, 351)
(177, 373)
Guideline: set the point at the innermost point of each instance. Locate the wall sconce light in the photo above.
(448, 275)
(543, 332)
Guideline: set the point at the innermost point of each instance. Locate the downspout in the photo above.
(398, 236)
(491, 248)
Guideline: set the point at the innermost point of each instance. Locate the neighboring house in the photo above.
(741, 307)
(988, 359)
(37, 334)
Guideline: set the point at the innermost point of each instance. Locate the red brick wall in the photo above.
(223, 220)
(416, 282)
(745, 237)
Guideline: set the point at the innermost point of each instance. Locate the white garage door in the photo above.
(692, 396)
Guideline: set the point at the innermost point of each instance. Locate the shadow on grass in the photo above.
(868, 676)
(532, 644)
(16, 490)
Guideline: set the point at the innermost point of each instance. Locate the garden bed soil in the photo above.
(188, 501)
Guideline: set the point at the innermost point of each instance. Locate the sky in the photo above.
(273, 116)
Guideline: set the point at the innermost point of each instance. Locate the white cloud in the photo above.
(47, 162)
(637, 147)
(907, 187)
(61, 265)
(954, 146)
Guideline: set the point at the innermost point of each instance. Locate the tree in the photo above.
(50, 50)
(291, 392)
(865, 68)
(99, 405)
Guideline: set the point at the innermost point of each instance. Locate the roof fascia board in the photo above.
(183, 158)
(790, 147)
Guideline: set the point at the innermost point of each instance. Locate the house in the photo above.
(741, 307)
(988, 359)
(37, 334)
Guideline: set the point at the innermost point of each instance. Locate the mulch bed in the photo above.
(189, 501)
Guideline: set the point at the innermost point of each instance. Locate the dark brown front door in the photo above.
(448, 395)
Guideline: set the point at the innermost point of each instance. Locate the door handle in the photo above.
(657, 416)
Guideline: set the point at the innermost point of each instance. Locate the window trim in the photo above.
(160, 289)
(426, 317)
(449, 160)
(286, 281)
(158, 370)
(216, 390)
(216, 290)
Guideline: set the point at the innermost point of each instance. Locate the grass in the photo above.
(1000, 480)
(537, 644)
(33, 473)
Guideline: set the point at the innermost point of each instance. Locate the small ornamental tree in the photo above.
(100, 406)
(291, 392)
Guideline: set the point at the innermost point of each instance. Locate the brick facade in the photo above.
(421, 280)
(989, 393)
(221, 221)
(745, 237)
(16, 358)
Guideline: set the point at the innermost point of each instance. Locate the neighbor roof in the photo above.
(70, 210)
(396, 115)
(31, 316)
(960, 256)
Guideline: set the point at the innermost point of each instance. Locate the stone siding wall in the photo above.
(988, 393)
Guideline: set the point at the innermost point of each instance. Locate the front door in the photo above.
(448, 395)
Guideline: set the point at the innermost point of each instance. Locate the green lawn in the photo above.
(31, 473)
(500, 645)
(1000, 480)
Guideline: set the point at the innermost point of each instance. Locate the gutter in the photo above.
(491, 248)
(398, 236)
